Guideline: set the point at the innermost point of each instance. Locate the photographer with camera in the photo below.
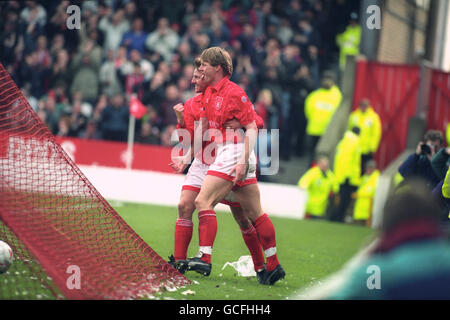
(418, 164)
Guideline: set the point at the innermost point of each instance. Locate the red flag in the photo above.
(137, 109)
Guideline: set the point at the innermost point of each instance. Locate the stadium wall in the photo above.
(159, 188)
(150, 180)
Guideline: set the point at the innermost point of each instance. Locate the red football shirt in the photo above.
(193, 112)
(225, 101)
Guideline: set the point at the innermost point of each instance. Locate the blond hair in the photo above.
(217, 56)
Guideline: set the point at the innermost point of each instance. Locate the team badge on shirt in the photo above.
(218, 102)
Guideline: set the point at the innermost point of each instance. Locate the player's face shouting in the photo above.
(208, 71)
(198, 81)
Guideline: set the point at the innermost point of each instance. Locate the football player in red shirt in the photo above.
(187, 115)
(234, 163)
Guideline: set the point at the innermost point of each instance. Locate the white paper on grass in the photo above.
(244, 266)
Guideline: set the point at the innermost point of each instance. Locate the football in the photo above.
(6, 257)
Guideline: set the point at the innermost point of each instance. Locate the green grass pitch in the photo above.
(308, 251)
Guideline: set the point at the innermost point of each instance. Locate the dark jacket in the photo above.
(419, 167)
(440, 163)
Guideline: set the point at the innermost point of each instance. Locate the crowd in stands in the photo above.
(79, 81)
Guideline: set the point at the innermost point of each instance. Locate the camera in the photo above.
(425, 149)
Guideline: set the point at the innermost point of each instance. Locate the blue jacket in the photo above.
(419, 167)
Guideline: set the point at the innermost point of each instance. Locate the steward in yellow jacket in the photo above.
(347, 169)
(366, 193)
(347, 161)
(370, 124)
(319, 182)
(320, 106)
(349, 41)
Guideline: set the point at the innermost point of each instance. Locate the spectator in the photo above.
(58, 24)
(418, 164)
(148, 134)
(409, 240)
(136, 38)
(34, 14)
(42, 53)
(114, 27)
(285, 32)
(77, 121)
(184, 53)
(305, 35)
(219, 34)
(58, 44)
(265, 17)
(156, 91)
(237, 17)
(266, 110)
(167, 134)
(172, 97)
(163, 40)
(300, 84)
(365, 194)
(85, 66)
(347, 169)
(248, 41)
(114, 120)
(10, 39)
(31, 73)
(51, 112)
(108, 79)
(63, 126)
(136, 71)
(60, 71)
(318, 182)
(369, 122)
(31, 100)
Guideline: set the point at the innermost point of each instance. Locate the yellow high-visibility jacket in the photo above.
(320, 106)
(447, 134)
(398, 178)
(370, 124)
(446, 187)
(347, 161)
(365, 195)
(318, 186)
(348, 42)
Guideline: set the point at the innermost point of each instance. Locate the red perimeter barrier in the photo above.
(438, 115)
(392, 90)
(114, 154)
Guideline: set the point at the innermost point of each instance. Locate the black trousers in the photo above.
(312, 142)
(345, 198)
(364, 158)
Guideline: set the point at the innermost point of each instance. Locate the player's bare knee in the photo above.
(243, 223)
(201, 203)
(185, 210)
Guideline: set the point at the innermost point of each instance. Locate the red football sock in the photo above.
(266, 233)
(183, 236)
(251, 240)
(207, 230)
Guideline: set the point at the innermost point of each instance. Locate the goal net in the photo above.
(68, 241)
